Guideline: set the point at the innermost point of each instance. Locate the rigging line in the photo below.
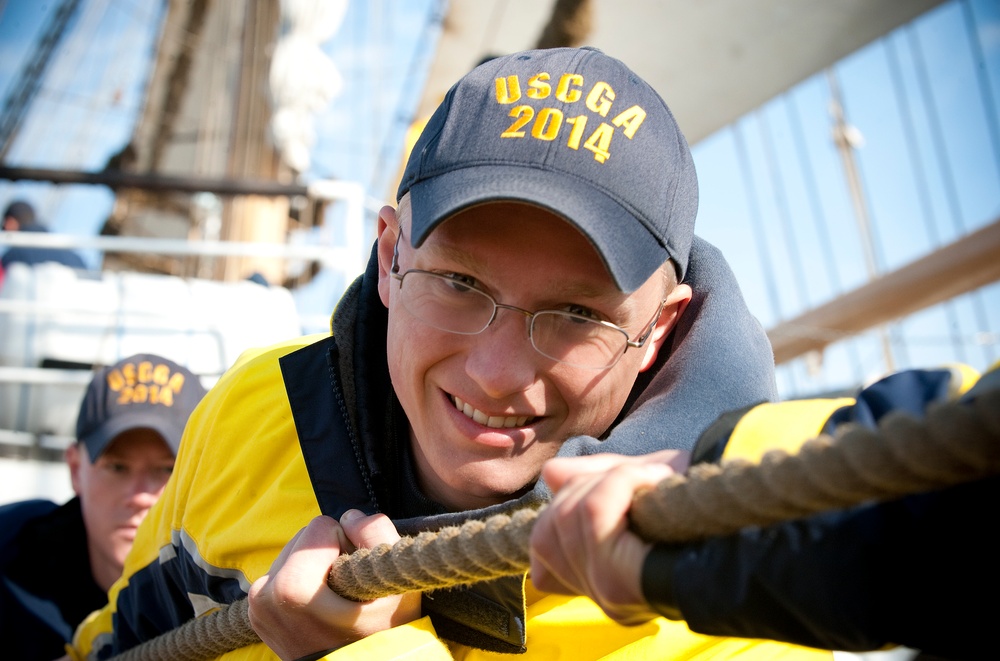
(158, 27)
(820, 220)
(152, 21)
(977, 339)
(947, 175)
(759, 234)
(920, 179)
(990, 109)
(372, 92)
(784, 214)
(139, 13)
(63, 74)
(869, 238)
(417, 72)
(73, 151)
(812, 193)
(857, 185)
(252, 150)
(492, 27)
(217, 110)
(23, 89)
(85, 137)
(756, 223)
(378, 96)
(355, 34)
(911, 144)
(353, 31)
(979, 58)
(937, 138)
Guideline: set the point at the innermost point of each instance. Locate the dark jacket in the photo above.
(46, 586)
(919, 572)
(32, 255)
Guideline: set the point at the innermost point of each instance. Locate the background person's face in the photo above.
(529, 258)
(116, 492)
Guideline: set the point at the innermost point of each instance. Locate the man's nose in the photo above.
(146, 488)
(501, 359)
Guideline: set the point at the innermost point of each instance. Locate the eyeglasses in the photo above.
(447, 303)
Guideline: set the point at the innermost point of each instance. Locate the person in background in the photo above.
(19, 216)
(57, 562)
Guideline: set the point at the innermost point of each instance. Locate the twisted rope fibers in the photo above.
(954, 444)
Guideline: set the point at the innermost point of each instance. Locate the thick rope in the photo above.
(200, 639)
(954, 444)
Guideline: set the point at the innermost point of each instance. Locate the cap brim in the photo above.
(98, 441)
(630, 252)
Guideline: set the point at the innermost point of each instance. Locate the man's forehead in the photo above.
(499, 216)
(136, 440)
(502, 232)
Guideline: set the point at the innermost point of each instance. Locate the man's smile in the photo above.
(492, 421)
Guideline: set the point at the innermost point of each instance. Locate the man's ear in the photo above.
(388, 230)
(73, 460)
(677, 302)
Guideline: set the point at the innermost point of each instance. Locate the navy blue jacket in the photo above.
(46, 586)
(919, 572)
(32, 255)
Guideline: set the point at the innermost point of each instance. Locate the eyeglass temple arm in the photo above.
(394, 269)
(641, 340)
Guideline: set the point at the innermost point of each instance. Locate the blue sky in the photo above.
(87, 103)
(774, 194)
(773, 191)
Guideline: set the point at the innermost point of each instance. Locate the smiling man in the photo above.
(563, 350)
(57, 563)
(538, 290)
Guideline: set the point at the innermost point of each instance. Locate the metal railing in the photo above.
(348, 258)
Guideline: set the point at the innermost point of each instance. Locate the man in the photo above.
(19, 216)
(900, 572)
(538, 290)
(57, 563)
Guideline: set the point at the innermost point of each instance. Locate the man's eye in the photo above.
(461, 282)
(583, 312)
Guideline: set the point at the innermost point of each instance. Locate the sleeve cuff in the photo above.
(658, 580)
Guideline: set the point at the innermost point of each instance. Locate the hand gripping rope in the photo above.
(955, 443)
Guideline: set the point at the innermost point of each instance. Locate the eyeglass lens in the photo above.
(447, 304)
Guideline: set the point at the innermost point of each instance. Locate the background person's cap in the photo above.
(572, 131)
(21, 211)
(141, 391)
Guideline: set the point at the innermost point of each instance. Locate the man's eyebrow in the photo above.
(583, 290)
(452, 254)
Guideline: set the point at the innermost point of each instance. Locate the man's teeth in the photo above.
(493, 421)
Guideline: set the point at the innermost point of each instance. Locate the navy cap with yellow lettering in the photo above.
(571, 130)
(141, 391)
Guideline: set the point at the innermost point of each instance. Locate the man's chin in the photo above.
(125, 536)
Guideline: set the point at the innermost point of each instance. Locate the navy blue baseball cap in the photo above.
(570, 130)
(141, 391)
(20, 211)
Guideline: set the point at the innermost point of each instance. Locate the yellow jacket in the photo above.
(241, 490)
